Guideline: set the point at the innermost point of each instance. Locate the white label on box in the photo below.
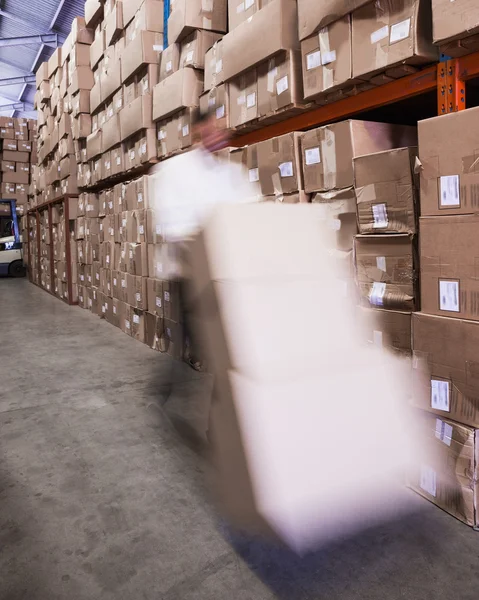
(110, 112)
(136, 319)
(400, 31)
(380, 216)
(123, 283)
(161, 134)
(143, 148)
(97, 277)
(101, 226)
(82, 277)
(158, 230)
(428, 480)
(251, 100)
(114, 310)
(110, 205)
(376, 296)
(282, 85)
(189, 56)
(158, 48)
(138, 297)
(158, 302)
(240, 8)
(123, 222)
(132, 155)
(146, 85)
(381, 263)
(449, 295)
(450, 195)
(379, 34)
(114, 280)
(286, 169)
(127, 324)
(107, 260)
(119, 102)
(90, 302)
(335, 224)
(253, 175)
(211, 102)
(169, 66)
(185, 130)
(313, 60)
(219, 65)
(328, 57)
(141, 229)
(440, 395)
(140, 197)
(167, 296)
(444, 432)
(220, 111)
(312, 156)
(159, 267)
(378, 338)
(103, 308)
(241, 100)
(118, 160)
(131, 253)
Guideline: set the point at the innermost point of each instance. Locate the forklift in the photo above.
(11, 255)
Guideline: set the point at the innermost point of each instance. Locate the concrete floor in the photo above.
(101, 486)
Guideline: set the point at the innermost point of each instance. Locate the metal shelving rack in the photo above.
(36, 212)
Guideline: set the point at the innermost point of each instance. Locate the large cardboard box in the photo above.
(449, 166)
(136, 116)
(240, 11)
(169, 61)
(275, 25)
(143, 15)
(391, 35)
(454, 20)
(280, 84)
(143, 50)
(314, 15)
(328, 151)
(182, 90)
(155, 296)
(338, 208)
(445, 367)
(217, 100)
(386, 271)
(193, 48)
(387, 191)
(243, 98)
(327, 58)
(447, 471)
(387, 329)
(188, 15)
(449, 247)
(279, 165)
(214, 74)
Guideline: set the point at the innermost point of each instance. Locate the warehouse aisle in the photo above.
(102, 497)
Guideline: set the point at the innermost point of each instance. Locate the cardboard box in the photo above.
(155, 296)
(243, 99)
(143, 50)
(143, 15)
(13, 156)
(93, 12)
(241, 50)
(136, 257)
(449, 169)
(214, 74)
(448, 251)
(97, 48)
(386, 271)
(387, 191)
(387, 329)
(194, 46)
(454, 20)
(188, 15)
(172, 341)
(154, 331)
(114, 23)
(217, 100)
(111, 133)
(169, 61)
(445, 380)
(110, 82)
(447, 472)
(328, 151)
(313, 15)
(240, 11)
(280, 83)
(136, 116)
(136, 291)
(327, 58)
(399, 33)
(82, 79)
(279, 164)
(181, 90)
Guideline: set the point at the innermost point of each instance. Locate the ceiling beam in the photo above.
(12, 66)
(23, 106)
(48, 39)
(9, 15)
(30, 78)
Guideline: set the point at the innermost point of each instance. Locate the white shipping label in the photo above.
(118, 160)
(158, 230)
(167, 296)
(107, 260)
(449, 295)
(159, 267)
(220, 111)
(158, 48)
(132, 155)
(131, 253)
(123, 222)
(450, 194)
(380, 216)
(138, 297)
(440, 395)
(136, 319)
(219, 66)
(185, 130)
(400, 31)
(189, 56)
(140, 197)
(286, 169)
(328, 57)
(127, 324)
(103, 308)
(312, 156)
(378, 338)
(379, 34)
(313, 60)
(428, 480)
(158, 302)
(114, 281)
(169, 66)
(143, 148)
(123, 283)
(376, 296)
(381, 263)
(114, 310)
(251, 100)
(253, 175)
(282, 85)
(211, 102)
(141, 229)
(444, 432)
(335, 224)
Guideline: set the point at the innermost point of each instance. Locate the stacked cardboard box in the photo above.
(445, 333)
(17, 154)
(456, 26)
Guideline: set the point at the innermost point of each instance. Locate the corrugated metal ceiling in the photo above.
(30, 17)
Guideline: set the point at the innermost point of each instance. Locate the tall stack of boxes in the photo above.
(446, 332)
(17, 154)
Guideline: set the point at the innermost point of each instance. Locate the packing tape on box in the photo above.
(272, 73)
(328, 153)
(207, 7)
(326, 55)
(367, 193)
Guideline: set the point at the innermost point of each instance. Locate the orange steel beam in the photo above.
(400, 89)
(451, 87)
